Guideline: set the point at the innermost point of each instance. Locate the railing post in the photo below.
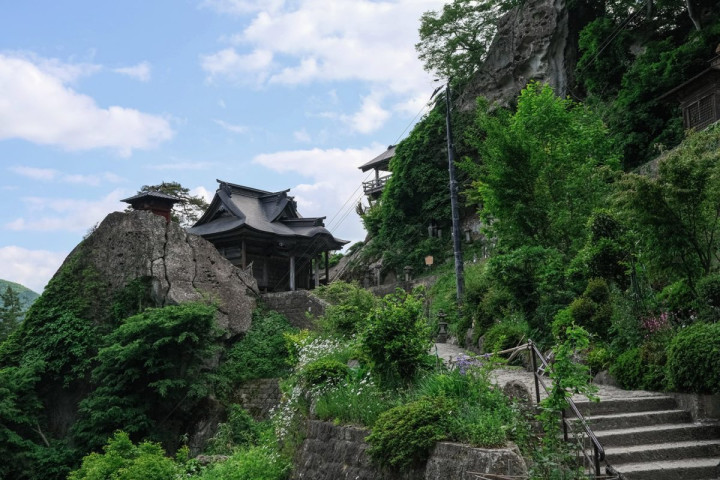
(597, 460)
(564, 424)
(534, 367)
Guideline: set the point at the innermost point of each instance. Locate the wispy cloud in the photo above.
(232, 127)
(141, 71)
(50, 174)
(45, 214)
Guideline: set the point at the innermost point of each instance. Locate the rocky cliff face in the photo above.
(536, 41)
(180, 266)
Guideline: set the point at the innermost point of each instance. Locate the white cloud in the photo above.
(32, 268)
(228, 63)
(370, 117)
(39, 107)
(64, 214)
(50, 174)
(232, 127)
(141, 71)
(305, 41)
(336, 185)
(202, 192)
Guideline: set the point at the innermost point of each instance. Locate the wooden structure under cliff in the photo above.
(263, 230)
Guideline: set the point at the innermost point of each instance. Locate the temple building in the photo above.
(156, 202)
(699, 97)
(264, 231)
(374, 188)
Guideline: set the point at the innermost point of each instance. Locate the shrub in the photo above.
(628, 369)
(708, 289)
(679, 299)
(597, 291)
(324, 370)
(506, 334)
(693, 359)
(397, 339)
(404, 435)
(262, 353)
(598, 359)
(255, 463)
(239, 430)
(582, 310)
(123, 460)
(349, 310)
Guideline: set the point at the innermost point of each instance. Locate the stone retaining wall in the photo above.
(296, 305)
(332, 452)
(258, 397)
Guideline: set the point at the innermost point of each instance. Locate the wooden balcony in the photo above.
(374, 187)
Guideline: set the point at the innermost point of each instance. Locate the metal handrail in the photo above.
(598, 450)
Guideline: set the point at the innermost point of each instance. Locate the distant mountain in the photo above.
(27, 296)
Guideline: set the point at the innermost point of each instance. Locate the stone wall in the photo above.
(330, 452)
(296, 305)
(259, 396)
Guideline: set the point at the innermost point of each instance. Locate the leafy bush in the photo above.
(597, 291)
(324, 370)
(397, 339)
(240, 430)
(255, 463)
(708, 289)
(123, 460)
(693, 359)
(582, 310)
(262, 353)
(628, 369)
(599, 358)
(351, 306)
(404, 435)
(508, 333)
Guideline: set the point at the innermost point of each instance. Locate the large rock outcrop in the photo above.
(181, 267)
(536, 41)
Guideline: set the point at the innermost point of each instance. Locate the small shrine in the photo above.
(263, 231)
(699, 97)
(374, 188)
(157, 202)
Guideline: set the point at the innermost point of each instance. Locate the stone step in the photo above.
(626, 405)
(617, 456)
(637, 419)
(691, 469)
(655, 434)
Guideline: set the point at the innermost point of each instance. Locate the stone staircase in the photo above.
(650, 438)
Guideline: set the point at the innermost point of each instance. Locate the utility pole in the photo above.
(457, 245)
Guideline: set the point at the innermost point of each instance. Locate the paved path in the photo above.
(501, 376)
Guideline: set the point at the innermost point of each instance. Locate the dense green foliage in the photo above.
(11, 312)
(261, 353)
(153, 371)
(454, 42)
(405, 434)
(397, 338)
(693, 363)
(349, 310)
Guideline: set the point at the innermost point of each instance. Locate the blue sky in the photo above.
(100, 98)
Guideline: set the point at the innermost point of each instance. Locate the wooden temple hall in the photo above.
(264, 231)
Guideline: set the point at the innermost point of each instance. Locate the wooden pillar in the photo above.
(327, 267)
(292, 273)
(265, 273)
(318, 259)
(244, 257)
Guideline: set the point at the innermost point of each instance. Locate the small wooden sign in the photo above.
(429, 260)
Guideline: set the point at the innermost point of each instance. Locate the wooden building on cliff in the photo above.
(263, 230)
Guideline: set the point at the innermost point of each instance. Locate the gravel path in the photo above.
(449, 353)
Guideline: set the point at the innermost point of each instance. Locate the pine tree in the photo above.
(11, 312)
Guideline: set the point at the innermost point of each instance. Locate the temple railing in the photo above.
(376, 185)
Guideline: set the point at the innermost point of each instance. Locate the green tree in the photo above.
(454, 42)
(153, 372)
(188, 210)
(677, 213)
(11, 312)
(544, 168)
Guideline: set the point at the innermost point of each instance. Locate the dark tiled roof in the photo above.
(159, 195)
(235, 207)
(380, 162)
